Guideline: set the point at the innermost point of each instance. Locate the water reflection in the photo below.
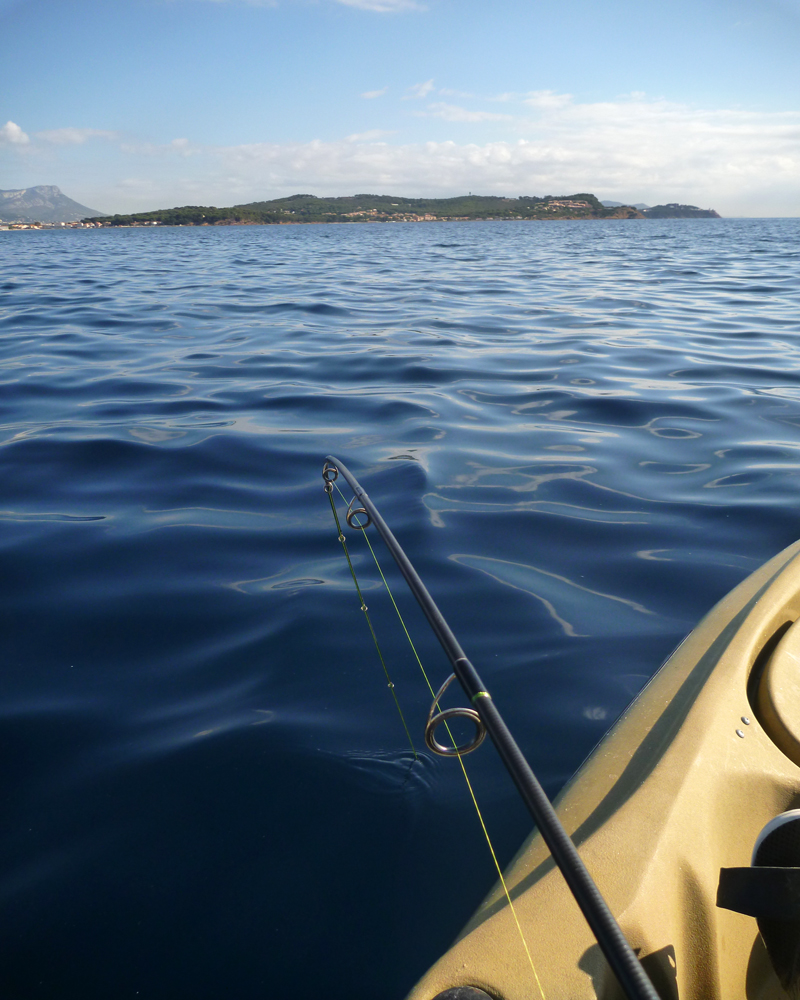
(201, 758)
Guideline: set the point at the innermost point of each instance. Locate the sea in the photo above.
(583, 434)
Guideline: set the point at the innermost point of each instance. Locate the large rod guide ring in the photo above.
(352, 512)
(435, 719)
(330, 474)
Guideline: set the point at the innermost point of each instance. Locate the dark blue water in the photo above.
(583, 434)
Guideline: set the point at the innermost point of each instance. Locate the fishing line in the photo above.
(632, 978)
(389, 683)
(435, 696)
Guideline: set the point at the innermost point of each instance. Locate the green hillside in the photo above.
(299, 208)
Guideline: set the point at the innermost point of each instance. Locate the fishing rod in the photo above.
(618, 953)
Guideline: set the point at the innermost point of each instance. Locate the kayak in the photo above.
(676, 793)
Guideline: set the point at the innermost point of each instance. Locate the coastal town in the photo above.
(50, 225)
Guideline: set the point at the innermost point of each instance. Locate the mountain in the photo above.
(619, 204)
(672, 210)
(379, 208)
(44, 203)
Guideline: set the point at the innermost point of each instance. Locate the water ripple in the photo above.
(584, 434)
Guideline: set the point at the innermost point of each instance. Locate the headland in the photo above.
(307, 208)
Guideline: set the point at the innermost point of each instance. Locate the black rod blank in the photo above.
(618, 953)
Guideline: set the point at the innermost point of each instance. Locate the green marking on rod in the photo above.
(389, 683)
(481, 694)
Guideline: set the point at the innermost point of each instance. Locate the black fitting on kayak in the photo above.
(770, 892)
(763, 893)
(618, 953)
(772, 896)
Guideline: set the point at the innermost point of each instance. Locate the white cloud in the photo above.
(453, 113)
(13, 134)
(74, 136)
(545, 99)
(372, 94)
(371, 136)
(181, 147)
(420, 89)
(532, 98)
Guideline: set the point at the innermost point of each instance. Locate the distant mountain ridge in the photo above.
(618, 204)
(44, 203)
(672, 210)
(300, 208)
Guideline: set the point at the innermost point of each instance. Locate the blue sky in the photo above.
(137, 104)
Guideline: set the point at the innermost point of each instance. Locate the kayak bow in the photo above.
(678, 790)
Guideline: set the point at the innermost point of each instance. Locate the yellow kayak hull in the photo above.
(679, 788)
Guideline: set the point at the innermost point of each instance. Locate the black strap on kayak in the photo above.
(618, 953)
(764, 893)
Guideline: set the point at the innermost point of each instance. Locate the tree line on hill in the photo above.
(307, 208)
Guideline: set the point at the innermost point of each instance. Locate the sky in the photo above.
(133, 105)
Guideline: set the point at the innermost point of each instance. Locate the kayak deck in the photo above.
(679, 788)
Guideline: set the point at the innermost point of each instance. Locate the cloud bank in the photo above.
(632, 149)
(454, 113)
(739, 162)
(73, 136)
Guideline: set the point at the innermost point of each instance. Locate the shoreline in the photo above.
(60, 227)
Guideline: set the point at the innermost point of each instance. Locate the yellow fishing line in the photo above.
(460, 761)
